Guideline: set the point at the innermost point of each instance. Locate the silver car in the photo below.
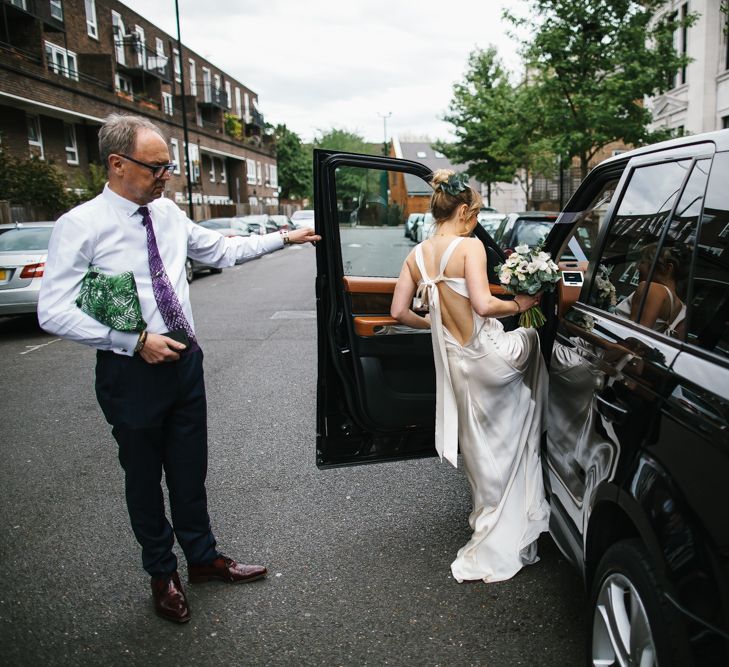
(23, 253)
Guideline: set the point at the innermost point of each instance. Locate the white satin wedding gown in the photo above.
(490, 399)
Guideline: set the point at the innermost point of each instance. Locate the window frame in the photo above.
(250, 171)
(177, 65)
(34, 119)
(72, 147)
(92, 25)
(58, 6)
(192, 69)
(52, 51)
(118, 29)
(168, 105)
(175, 144)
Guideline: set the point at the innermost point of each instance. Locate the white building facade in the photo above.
(699, 99)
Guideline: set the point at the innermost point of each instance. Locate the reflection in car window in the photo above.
(582, 241)
(639, 222)
(708, 319)
(372, 207)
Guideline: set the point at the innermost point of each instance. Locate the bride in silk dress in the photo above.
(490, 385)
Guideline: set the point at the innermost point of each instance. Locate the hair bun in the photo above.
(440, 176)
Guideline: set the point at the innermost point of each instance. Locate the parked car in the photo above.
(303, 218)
(490, 221)
(410, 223)
(530, 228)
(220, 225)
(23, 253)
(423, 227)
(281, 221)
(255, 224)
(636, 449)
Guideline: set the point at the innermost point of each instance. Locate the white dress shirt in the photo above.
(107, 233)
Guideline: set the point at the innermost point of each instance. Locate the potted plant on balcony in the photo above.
(233, 126)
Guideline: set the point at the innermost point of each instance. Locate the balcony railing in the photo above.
(209, 95)
(52, 16)
(135, 57)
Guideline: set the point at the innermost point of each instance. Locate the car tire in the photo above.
(632, 623)
(189, 273)
(216, 270)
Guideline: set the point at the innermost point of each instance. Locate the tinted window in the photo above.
(634, 231)
(30, 238)
(530, 232)
(372, 207)
(708, 321)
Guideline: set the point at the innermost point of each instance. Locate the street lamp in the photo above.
(384, 117)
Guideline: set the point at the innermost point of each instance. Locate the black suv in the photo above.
(636, 449)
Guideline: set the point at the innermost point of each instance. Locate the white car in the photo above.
(23, 253)
(303, 218)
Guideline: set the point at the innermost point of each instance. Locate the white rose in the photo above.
(522, 249)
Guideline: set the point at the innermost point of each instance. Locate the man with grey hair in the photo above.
(150, 384)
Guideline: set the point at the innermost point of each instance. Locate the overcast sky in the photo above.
(322, 64)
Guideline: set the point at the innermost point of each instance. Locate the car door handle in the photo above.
(612, 411)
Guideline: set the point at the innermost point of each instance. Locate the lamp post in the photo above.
(384, 117)
(188, 166)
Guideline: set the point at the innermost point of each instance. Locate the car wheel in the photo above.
(216, 270)
(632, 623)
(188, 270)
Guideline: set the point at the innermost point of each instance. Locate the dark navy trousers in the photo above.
(158, 414)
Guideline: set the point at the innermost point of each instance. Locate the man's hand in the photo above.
(303, 235)
(158, 349)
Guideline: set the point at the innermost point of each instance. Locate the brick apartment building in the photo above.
(66, 64)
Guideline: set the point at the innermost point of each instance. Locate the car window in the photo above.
(372, 207)
(635, 251)
(708, 319)
(29, 238)
(530, 232)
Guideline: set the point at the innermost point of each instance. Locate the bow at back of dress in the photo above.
(446, 414)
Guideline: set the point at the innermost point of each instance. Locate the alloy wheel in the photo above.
(621, 633)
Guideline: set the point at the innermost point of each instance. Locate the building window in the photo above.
(140, 46)
(167, 104)
(91, 26)
(118, 29)
(438, 154)
(229, 101)
(57, 10)
(421, 154)
(177, 65)
(223, 171)
(238, 106)
(259, 173)
(175, 154)
(725, 122)
(251, 172)
(193, 78)
(35, 138)
(194, 152)
(207, 92)
(123, 84)
(69, 132)
(212, 168)
(61, 61)
(247, 108)
(273, 171)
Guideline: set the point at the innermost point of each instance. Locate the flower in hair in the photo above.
(455, 184)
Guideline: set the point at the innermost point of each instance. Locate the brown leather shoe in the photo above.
(169, 599)
(225, 569)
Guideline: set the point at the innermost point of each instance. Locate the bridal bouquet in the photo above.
(528, 271)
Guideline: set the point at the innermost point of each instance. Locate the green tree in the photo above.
(34, 183)
(294, 164)
(481, 108)
(591, 63)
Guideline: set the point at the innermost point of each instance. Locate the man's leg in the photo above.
(135, 396)
(186, 462)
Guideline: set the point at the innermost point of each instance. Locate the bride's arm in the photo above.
(477, 281)
(402, 299)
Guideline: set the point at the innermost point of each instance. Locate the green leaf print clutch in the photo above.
(111, 300)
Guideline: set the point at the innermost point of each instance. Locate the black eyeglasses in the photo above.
(158, 170)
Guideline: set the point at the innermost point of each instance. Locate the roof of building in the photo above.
(423, 152)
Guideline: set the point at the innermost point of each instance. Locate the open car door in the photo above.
(376, 378)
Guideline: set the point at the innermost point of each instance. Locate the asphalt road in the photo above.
(358, 557)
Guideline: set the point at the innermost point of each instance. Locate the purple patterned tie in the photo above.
(169, 305)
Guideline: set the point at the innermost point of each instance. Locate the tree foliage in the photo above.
(294, 164)
(591, 63)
